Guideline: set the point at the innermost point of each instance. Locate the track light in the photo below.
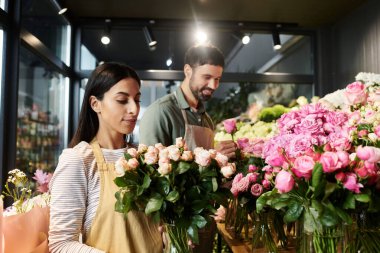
(106, 39)
(149, 37)
(169, 62)
(201, 37)
(246, 39)
(276, 40)
(61, 11)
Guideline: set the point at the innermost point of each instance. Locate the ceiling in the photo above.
(172, 22)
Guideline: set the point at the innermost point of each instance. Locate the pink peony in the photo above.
(355, 93)
(257, 190)
(252, 168)
(303, 166)
(266, 184)
(368, 153)
(230, 125)
(284, 181)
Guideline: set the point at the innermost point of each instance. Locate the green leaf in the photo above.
(316, 179)
(364, 198)
(127, 156)
(343, 215)
(173, 196)
(349, 202)
(329, 189)
(139, 190)
(329, 217)
(294, 212)
(120, 181)
(163, 185)
(154, 204)
(198, 221)
(198, 205)
(183, 167)
(146, 182)
(214, 184)
(280, 202)
(192, 231)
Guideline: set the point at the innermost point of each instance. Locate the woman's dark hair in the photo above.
(103, 78)
(199, 55)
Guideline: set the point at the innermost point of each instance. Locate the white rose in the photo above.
(228, 170)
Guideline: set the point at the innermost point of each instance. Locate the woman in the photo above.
(82, 188)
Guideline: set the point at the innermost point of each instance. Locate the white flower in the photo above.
(228, 170)
(164, 169)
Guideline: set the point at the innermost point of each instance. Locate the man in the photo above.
(182, 113)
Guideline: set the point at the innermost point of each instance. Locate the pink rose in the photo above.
(174, 153)
(377, 131)
(355, 93)
(121, 166)
(132, 152)
(179, 142)
(284, 181)
(266, 184)
(252, 177)
(243, 184)
(351, 183)
(329, 161)
(275, 160)
(133, 163)
(159, 146)
(221, 159)
(303, 166)
(228, 170)
(230, 125)
(252, 168)
(187, 155)
(340, 176)
(150, 158)
(368, 153)
(203, 158)
(142, 148)
(362, 133)
(361, 172)
(257, 190)
(164, 169)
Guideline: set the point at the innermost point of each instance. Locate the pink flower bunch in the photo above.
(251, 147)
(42, 178)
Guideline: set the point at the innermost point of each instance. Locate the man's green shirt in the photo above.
(163, 122)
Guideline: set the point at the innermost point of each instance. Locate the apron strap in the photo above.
(100, 161)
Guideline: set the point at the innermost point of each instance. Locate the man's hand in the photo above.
(227, 148)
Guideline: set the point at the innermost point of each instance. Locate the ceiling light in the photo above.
(169, 62)
(246, 39)
(201, 37)
(276, 40)
(61, 11)
(149, 36)
(105, 40)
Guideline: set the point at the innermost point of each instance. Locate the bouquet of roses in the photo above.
(174, 186)
(327, 164)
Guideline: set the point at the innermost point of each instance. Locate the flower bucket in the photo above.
(317, 238)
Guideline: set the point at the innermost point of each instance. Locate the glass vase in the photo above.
(263, 239)
(364, 234)
(317, 238)
(178, 239)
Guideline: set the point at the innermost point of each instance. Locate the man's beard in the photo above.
(199, 95)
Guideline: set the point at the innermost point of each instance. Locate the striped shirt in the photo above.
(75, 188)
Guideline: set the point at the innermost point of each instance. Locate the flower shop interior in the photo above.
(277, 53)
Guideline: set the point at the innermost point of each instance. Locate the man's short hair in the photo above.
(199, 55)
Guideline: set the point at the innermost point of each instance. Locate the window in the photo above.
(42, 119)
